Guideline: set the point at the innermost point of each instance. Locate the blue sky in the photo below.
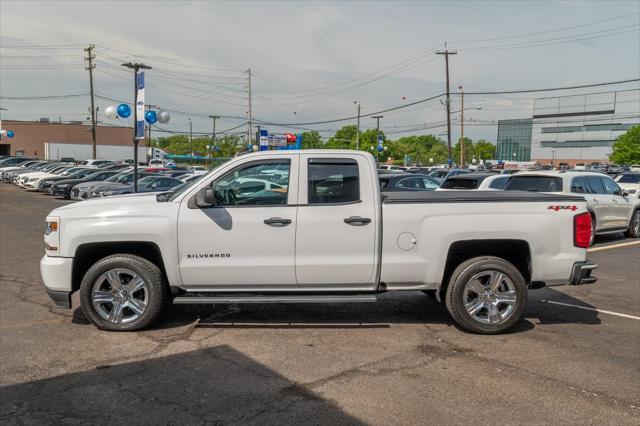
(311, 60)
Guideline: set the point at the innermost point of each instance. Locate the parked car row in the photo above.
(94, 178)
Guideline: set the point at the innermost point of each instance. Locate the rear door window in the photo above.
(411, 183)
(534, 183)
(430, 184)
(333, 181)
(596, 185)
(579, 185)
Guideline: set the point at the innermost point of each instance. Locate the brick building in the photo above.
(30, 136)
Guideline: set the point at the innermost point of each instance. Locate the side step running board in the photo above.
(358, 298)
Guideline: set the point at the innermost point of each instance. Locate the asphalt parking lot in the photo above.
(574, 359)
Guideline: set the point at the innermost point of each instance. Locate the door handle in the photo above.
(357, 221)
(277, 221)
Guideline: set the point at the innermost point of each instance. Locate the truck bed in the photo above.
(418, 197)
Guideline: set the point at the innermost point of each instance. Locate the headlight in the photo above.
(52, 236)
(63, 185)
(106, 193)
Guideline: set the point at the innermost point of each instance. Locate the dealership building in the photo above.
(32, 138)
(569, 129)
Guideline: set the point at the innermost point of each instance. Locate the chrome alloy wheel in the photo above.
(120, 296)
(636, 223)
(490, 297)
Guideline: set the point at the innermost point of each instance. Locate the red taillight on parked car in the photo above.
(582, 230)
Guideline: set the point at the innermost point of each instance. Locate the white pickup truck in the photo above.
(320, 231)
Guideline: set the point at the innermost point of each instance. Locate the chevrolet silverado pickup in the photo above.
(312, 227)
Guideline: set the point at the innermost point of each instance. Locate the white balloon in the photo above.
(111, 112)
(163, 116)
(4, 132)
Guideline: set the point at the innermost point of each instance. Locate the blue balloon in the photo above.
(151, 117)
(124, 110)
(10, 133)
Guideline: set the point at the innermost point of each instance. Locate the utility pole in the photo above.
(461, 126)
(249, 129)
(358, 131)
(90, 57)
(191, 141)
(446, 54)
(135, 67)
(377, 117)
(213, 135)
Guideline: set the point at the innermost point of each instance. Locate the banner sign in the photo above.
(380, 143)
(140, 105)
(263, 138)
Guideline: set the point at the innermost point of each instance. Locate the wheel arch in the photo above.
(89, 253)
(516, 252)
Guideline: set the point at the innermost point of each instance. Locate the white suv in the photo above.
(612, 209)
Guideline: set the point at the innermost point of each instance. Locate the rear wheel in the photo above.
(486, 295)
(123, 293)
(634, 225)
(593, 230)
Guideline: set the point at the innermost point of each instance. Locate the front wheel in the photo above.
(486, 295)
(634, 225)
(123, 292)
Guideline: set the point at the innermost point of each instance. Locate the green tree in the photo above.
(343, 139)
(485, 150)
(311, 140)
(626, 149)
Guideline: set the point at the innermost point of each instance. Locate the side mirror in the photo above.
(204, 198)
(625, 193)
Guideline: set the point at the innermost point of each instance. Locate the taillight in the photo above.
(582, 230)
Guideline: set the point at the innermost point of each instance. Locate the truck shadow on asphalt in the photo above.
(392, 309)
(217, 385)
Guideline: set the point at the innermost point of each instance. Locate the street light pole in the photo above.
(135, 67)
(377, 118)
(213, 137)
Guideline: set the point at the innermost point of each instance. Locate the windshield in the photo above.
(534, 183)
(176, 191)
(629, 178)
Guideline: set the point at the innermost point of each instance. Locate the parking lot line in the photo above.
(630, 243)
(591, 309)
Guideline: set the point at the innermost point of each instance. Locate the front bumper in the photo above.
(56, 275)
(581, 273)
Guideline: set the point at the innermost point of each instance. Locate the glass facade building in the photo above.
(514, 140)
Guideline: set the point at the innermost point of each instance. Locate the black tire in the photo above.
(634, 225)
(455, 296)
(592, 239)
(156, 299)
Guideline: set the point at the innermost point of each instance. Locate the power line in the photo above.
(40, 98)
(549, 31)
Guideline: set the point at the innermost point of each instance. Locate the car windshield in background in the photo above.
(534, 183)
(460, 184)
(629, 178)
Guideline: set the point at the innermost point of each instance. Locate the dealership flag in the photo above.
(140, 105)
